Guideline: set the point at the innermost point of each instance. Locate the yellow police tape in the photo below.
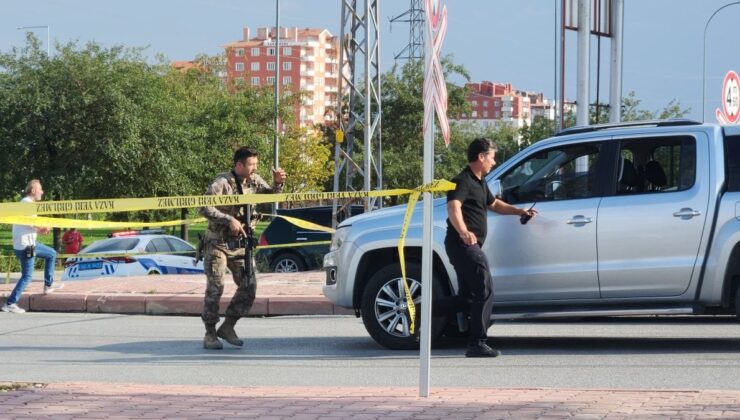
(138, 254)
(106, 205)
(8, 210)
(303, 223)
(103, 224)
(89, 224)
(436, 186)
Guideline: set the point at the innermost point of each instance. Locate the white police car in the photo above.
(121, 257)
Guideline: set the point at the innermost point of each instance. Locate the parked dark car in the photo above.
(297, 258)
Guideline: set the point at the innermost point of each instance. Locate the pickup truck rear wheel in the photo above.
(385, 312)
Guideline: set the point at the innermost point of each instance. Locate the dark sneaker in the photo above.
(481, 350)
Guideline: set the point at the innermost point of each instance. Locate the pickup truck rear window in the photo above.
(732, 162)
(656, 165)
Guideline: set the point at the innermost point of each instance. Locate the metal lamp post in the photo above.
(48, 38)
(704, 58)
(276, 141)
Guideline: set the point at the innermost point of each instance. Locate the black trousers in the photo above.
(476, 285)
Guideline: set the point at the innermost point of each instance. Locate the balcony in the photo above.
(332, 89)
(307, 73)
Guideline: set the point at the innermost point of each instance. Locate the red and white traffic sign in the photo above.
(731, 97)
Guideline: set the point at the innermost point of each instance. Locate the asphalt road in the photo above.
(678, 353)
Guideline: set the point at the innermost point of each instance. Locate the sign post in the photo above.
(730, 112)
(435, 102)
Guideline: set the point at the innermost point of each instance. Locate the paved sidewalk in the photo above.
(123, 401)
(277, 294)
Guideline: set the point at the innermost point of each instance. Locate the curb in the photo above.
(172, 304)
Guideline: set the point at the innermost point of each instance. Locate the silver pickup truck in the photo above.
(635, 219)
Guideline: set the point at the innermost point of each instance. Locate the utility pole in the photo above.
(359, 109)
(414, 16)
(276, 141)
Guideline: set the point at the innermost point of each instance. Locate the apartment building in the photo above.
(309, 61)
(495, 104)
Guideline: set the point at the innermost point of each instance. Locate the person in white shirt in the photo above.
(27, 249)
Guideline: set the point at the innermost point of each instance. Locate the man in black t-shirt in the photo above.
(467, 226)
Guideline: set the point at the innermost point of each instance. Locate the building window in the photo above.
(287, 65)
(485, 114)
(239, 67)
(255, 52)
(287, 51)
(255, 81)
(271, 80)
(475, 114)
(271, 66)
(497, 103)
(475, 103)
(239, 52)
(287, 80)
(271, 51)
(485, 104)
(255, 66)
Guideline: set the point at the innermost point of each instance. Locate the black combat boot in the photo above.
(210, 341)
(481, 349)
(226, 331)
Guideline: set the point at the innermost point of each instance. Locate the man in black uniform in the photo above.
(466, 231)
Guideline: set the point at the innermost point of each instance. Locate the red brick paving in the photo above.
(183, 294)
(112, 401)
(277, 294)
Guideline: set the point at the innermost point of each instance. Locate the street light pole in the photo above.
(704, 58)
(48, 37)
(276, 142)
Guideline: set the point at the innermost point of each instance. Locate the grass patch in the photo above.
(15, 386)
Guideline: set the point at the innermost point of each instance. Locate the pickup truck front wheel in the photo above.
(385, 311)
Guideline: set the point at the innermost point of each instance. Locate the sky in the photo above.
(497, 40)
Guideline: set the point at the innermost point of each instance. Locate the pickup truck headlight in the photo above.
(338, 238)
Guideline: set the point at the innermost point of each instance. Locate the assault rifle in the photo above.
(246, 221)
(249, 242)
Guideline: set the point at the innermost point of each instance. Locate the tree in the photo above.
(94, 122)
(307, 158)
(403, 114)
(631, 111)
(540, 129)
(91, 122)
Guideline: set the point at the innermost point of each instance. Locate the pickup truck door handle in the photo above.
(686, 213)
(579, 220)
